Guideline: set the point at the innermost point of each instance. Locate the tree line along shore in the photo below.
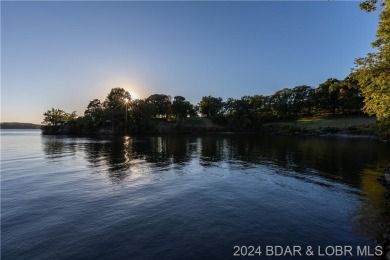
(365, 90)
(334, 107)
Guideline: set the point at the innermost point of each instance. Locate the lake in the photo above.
(187, 197)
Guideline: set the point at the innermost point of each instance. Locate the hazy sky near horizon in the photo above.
(64, 54)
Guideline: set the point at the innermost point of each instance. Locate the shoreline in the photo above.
(107, 133)
(385, 181)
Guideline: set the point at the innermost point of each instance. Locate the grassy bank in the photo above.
(325, 125)
(352, 125)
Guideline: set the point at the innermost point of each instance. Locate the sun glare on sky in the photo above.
(133, 85)
(135, 89)
(134, 96)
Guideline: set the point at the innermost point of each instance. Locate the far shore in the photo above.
(337, 127)
(18, 125)
(344, 127)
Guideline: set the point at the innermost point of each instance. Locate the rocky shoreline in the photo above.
(385, 180)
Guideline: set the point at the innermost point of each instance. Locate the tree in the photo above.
(261, 110)
(141, 115)
(181, 107)
(282, 103)
(94, 112)
(115, 99)
(301, 100)
(210, 106)
(240, 112)
(55, 117)
(373, 71)
(161, 103)
(350, 97)
(327, 96)
(115, 106)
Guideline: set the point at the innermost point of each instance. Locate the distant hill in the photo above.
(16, 125)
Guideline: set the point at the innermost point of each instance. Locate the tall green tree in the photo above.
(141, 115)
(244, 112)
(115, 106)
(210, 106)
(301, 100)
(94, 114)
(116, 99)
(182, 107)
(350, 97)
(327, 96)
(161, 103)
(282, 103)
(373, 71)
(261, 109)
(238, 111)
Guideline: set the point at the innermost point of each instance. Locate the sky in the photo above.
(65, 54)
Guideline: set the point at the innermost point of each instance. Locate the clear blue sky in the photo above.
(64, 54)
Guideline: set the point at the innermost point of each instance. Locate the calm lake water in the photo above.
(186, 197)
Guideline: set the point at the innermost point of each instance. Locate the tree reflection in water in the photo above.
(352, 163)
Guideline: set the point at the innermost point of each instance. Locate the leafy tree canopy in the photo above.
(210, 106)
(181, 107)
(58, 117)
(161, 103)
(116, 99)
(373, 71)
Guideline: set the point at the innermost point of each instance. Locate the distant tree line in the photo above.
(17, 125)
(120, 113)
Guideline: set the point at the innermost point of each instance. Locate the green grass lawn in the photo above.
(354, 125)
